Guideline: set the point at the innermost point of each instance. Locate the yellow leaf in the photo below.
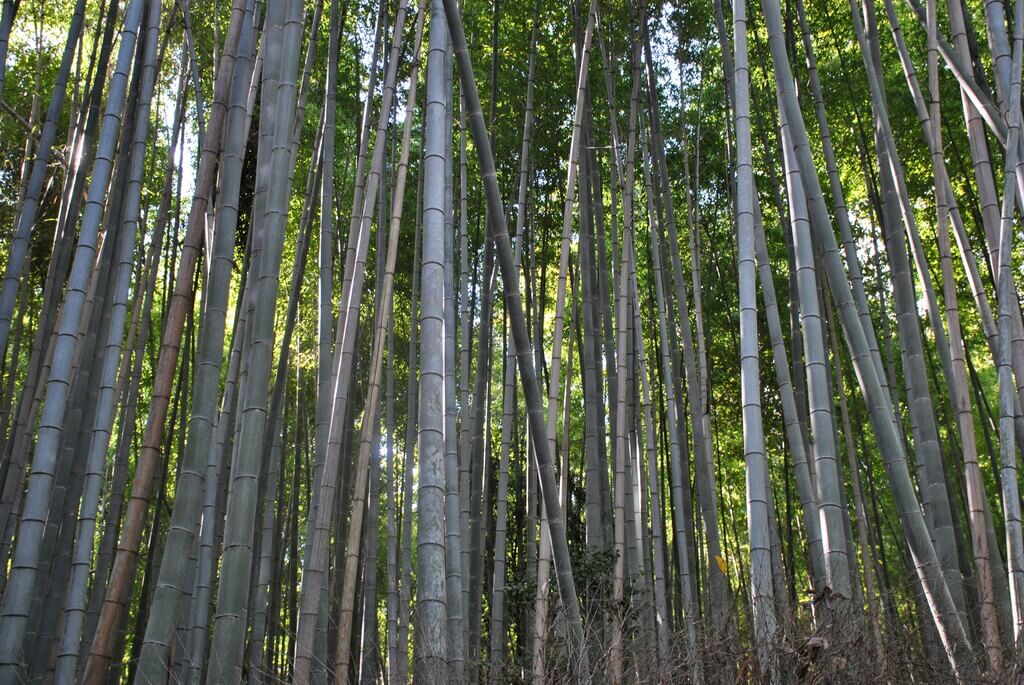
(722, 566)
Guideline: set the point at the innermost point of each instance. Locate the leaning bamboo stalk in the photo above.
(823, 447)
(498, 584)
(948, 210)
(680, 512)
(271, 435)
(391, 670)
(10, 8)
(975, 488)
(315, 569)
(115, 602)
(880, 410)
(994, 118)
(660, 581)
(188, 500)
(326, 378)
(82, 555)
(623, 336)
(945, 188)
(499, 233)
(840, 209)
(870, 584)
(1008, 466)
(19, 589)
(325, 250)
(954, 57)
(921, 407)
(719, 602)
(367, 443)
(555, 368)
(412, 397)
(226, 649)
(28, 215)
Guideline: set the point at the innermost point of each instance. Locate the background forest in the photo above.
(511, 341)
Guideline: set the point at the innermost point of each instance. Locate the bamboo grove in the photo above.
(511, 341)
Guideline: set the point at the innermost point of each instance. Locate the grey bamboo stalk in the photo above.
(975, 487)
(870, 584)
(455, 579)
(876, 83)
(554, 371)
(267, 87)
(217, 466)
(999, 45)
(823, 447)
(1008, 465)
(325, 394)
(389, 655)
(499, 233)
(464, 351)
(82, 556)
(979, 152)
(540, 620)
(325, 285)
(325, 250)
(948, 195)
(10, 8)
(602, 499)
(368, 645)
(367, 443)
(216, 469)
(762, 592)
(623, 338)
(481, 468)
(271, 435)
(718, 585)
(982, 163)
(661, 617)
(838, 196)
(188, 500)
(19, 246)
(590, 351)
(508, 408)
(498, 583)
(108, 338)
(412, 396)
(431, 635)
(937, 507)
(984, 110)
(115, 601)
(790, 413)
(313, 575)
(114, 370)
(390, 669)
(132, 372)
(232, 594)
(950, 628)
(271, 438)
(986, 556)
(680, 511)
(18, 592)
